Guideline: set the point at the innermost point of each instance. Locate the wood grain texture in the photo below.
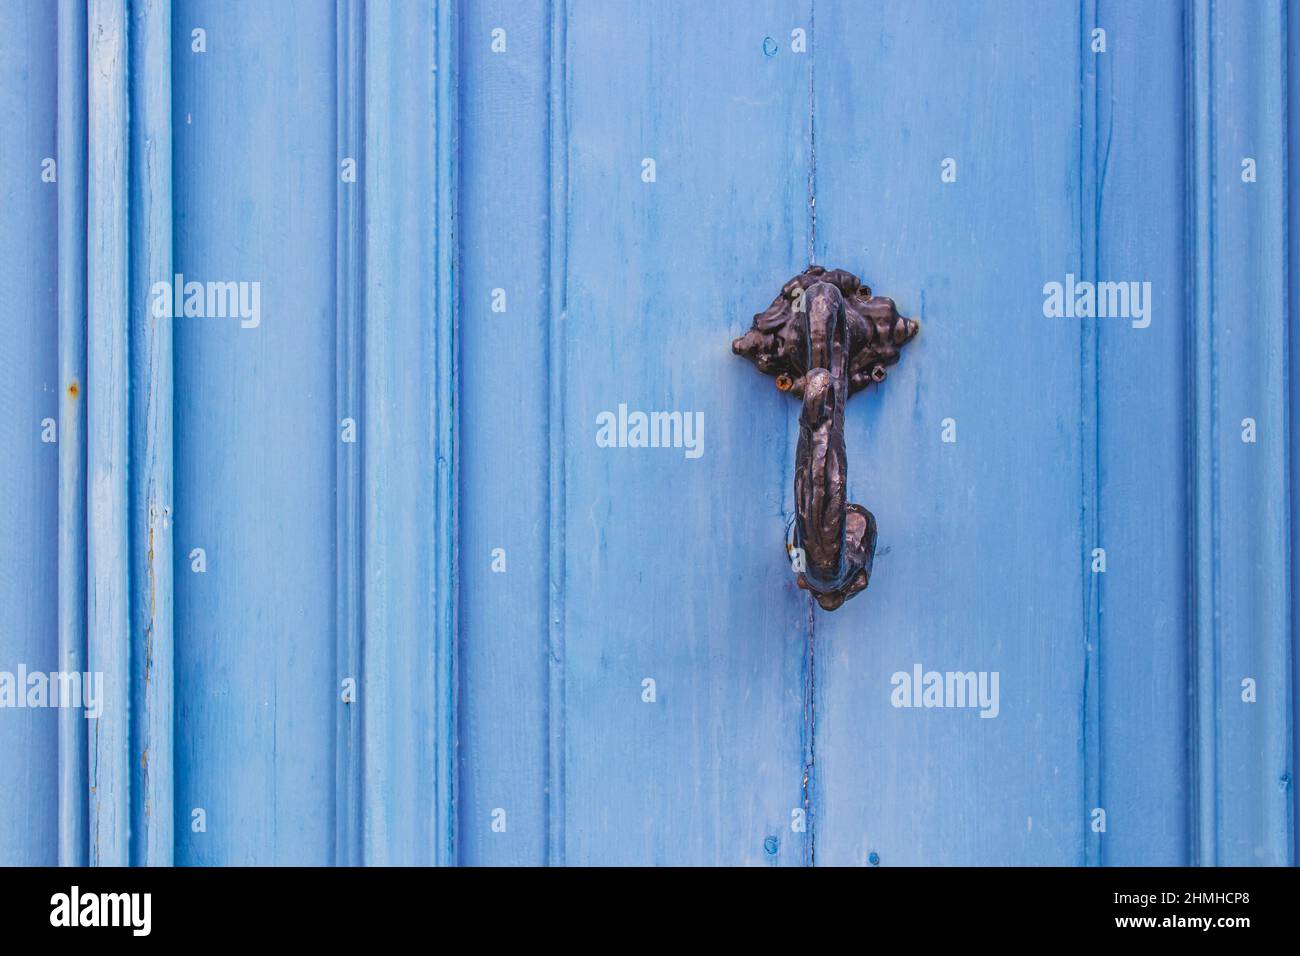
(674, 567)
(29, 394)
(349, 277)
(1293, 355)
(503, 240)
(108, 429)
(74, 791)
(408, 518)
(151, 502)
(557, 291)
(255, 435)
(1135, 227)
(1243, 630)
(981, 556)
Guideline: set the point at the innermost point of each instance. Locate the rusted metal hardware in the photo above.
(824, 338)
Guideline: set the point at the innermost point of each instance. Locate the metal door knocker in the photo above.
(826, 337)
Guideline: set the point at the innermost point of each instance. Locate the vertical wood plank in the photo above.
(1293, 355)
(254, 188)
(674, 568)
(108, 384)
(349, 277)
(557, 385)
(31, 790)
(504, 237)
(1241, 605)
(152, 825)
(73, 788)
(408, 438)
(980, 560)
(1139, 649)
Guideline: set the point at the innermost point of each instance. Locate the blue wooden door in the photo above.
(377, 572)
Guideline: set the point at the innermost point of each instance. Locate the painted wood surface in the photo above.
(74, 792)
(108, 408)
(29, 398)
(1243, 628)
(367, 588)
(253, 194)
(153, 638)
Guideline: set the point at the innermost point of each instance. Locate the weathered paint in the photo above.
(255, 436)
(504, 617)
(1138, 620)
(408, 379)
(349, 146)
(1241, 598)
(29, 393)
(108, 617)
(71, 337)
(502, 714)
(1292, 432)
(152, 830)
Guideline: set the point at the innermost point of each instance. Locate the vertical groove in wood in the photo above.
(1291, 91)
(108, 609)
(150, 422)
(349, 275)
(1202, 433)
(447, 422)
(557, 251)
(1090, 172)
(1291, 309)
(71, 161)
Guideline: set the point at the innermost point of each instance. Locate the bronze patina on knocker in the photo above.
(826, 337)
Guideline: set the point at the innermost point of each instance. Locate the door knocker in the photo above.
(826, 337)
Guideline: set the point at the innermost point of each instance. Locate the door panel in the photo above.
(673, 564)
(505, 271)
(980, 544)
(1137, 717)
(255, 438)
(1243, 626)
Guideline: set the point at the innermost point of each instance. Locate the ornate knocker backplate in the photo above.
(826, 337)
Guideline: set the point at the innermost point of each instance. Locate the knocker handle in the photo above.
(825, 337)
